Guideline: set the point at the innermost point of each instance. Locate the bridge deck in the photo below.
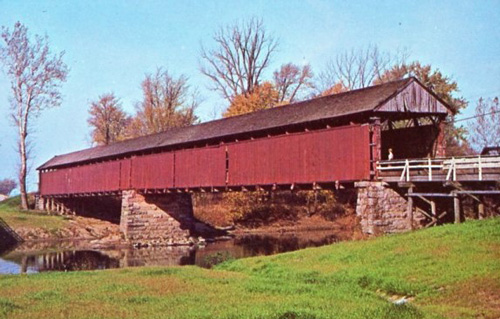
(454, 169)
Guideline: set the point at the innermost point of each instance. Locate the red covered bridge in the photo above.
(325, 141)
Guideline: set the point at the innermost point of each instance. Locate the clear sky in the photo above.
(111, 45)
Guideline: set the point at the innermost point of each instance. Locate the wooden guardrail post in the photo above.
(480, 168)
(430, 168)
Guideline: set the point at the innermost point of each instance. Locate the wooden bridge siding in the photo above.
(49, 182)
(327, 155)
(319, 156)
(153, 171)
(125, 174)
(81, 179)
(101, 177)
(200, 167)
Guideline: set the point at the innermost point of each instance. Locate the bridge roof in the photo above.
(321, 108)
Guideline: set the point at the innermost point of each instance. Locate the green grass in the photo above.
(448, 272)
(16, 218)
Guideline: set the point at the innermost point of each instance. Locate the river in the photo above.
(68, 256)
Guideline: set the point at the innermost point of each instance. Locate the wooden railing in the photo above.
(439, 169)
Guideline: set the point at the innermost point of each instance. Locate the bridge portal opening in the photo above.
(412, 138)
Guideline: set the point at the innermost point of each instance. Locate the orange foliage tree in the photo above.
(264, 96)
(337, 88)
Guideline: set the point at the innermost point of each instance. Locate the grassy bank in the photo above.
(15, 218)
(450, 271)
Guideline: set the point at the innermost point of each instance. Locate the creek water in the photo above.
(67, 256)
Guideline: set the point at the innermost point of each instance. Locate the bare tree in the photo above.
(167, 103)
(36, 77)
(484, 129)
(358, 68)
(290, 79)
(108, 120)
(243, 52)
(7, 185)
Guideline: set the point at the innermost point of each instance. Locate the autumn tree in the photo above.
(446, 89)
(337, 88)
(242, 53)
(108, 120)
(484, 129)
(290, 80)
(7, 185)
(36, 77)
(168, 102)
(358, 68)
(264, 96)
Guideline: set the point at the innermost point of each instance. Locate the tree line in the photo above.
(237, 63)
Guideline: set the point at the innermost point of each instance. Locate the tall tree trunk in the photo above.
(23, 169)
(35, 77)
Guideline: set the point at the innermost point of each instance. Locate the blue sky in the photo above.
(111, 45)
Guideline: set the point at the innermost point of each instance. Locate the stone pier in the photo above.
(383, 210)
(157, 220)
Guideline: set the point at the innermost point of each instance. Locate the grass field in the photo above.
(451, 271)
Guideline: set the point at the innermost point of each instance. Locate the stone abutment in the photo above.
(157, 220)
(382, 209)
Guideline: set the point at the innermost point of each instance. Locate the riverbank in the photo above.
(450, 271)
(36, 226)
(39, 226)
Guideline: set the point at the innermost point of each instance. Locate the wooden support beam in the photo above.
(480, 192)
(409, 209)
(433, 209)
(423, 198)
(456, 209)
(480, 211)
(406, 185)
(423, 212)
(421, 195)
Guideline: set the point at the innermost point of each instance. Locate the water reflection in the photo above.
(63, 257)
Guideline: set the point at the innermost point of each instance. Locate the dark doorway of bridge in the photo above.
(410, 142)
